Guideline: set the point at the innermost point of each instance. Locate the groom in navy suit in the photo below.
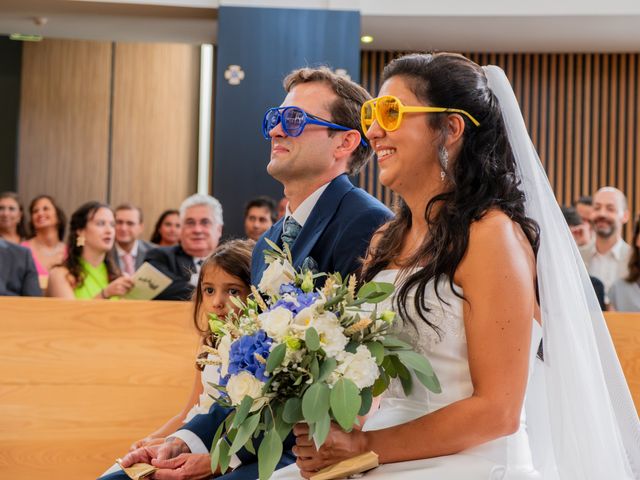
(328, 226)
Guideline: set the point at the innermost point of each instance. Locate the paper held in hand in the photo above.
(347, 467)
(137, 471)
(148, 282)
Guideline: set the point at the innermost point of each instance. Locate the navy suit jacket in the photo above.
(336, 235)
(18, 275)
(176, 264)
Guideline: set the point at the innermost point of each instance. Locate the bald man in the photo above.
(608, 258)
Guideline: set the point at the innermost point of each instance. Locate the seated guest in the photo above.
(18, 275)
(130, 249)
(167, 230)
(576, 225)
(12, 225)
(47, 224)
(259, 215)
(608, 257)
(225, 273)
(90, 271)
(282, 207)
(201, 219)
(624, 294)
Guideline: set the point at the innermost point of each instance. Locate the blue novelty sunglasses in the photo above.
(293, 120)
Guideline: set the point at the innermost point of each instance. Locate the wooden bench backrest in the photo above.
(625, 333)
(81, 380)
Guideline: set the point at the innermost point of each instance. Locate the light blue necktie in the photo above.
(290, 231)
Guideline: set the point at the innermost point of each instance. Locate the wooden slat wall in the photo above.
(582, 112)
(155, 126)
(64, 121)
(115, 122)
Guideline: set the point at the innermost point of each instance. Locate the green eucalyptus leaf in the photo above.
(312, 339)
(326, 368)
(314, 368)
(225, 456)
(321, 430)
(403, 372)
(249, 445)
(242, 411)
(389, 367)
(244, 432)
(292, 412)
(215, 448)
(345, 403)
(377, 351)
(392, 343)
(315, 402)
(276, 356)
(429, 381)
(269, 454)
(416, 362)
(381, 384)
(375, 292)
(367, 400)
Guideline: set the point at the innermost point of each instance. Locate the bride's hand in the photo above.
(338, 446)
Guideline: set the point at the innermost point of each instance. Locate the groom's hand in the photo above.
(338, 446)
(186, 466)
(171, 448)
(140, 455)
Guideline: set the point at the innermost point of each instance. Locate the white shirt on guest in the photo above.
(609, 266)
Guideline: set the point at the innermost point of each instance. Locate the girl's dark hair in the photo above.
(21, 228)
(234, 257)
(634, 261)
(62, 218)
(481, 178)
(156, 237)
(79, 220)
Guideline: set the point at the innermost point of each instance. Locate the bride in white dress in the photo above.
(480, 256)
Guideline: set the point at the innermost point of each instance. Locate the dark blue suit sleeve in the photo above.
(180, 288)
(205, 425)
(30, 284)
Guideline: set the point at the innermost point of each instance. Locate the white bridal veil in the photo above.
(581, 420)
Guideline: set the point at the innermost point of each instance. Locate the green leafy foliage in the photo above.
(269, 454)
(315, 402)
(345, 403)
(244, 432)
(312, 339)
(275, 357)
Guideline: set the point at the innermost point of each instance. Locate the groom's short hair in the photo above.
(345, 110)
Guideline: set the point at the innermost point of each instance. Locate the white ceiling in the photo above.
(441, 28)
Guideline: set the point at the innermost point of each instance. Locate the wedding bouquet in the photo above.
(297, 353)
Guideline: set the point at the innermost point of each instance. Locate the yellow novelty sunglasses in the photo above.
(389, 110)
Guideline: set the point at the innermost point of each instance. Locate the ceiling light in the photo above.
(366, 39)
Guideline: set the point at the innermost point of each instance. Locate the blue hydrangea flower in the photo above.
(302, 301)
(289, 288)
(241, 355)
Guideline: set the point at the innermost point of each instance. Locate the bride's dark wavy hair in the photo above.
(481, 178)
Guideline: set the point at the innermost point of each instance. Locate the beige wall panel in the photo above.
(64, 121)
(155, 126)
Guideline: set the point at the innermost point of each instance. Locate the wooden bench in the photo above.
(81, 380)
(625, 333)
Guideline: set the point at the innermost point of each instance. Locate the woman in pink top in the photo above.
(47, 226)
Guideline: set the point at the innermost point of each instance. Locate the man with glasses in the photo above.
(201, 217)
(316, 140)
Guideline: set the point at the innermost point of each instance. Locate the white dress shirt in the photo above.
(609, 266)
(306, 207)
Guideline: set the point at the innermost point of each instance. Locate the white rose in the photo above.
(360, 368)
(277, 273)
(223, 353)
(276, 322)
(245, 384)
(330, 331)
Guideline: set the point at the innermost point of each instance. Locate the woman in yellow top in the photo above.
(90, 271)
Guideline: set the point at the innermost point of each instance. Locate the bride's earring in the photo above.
(443, 155)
